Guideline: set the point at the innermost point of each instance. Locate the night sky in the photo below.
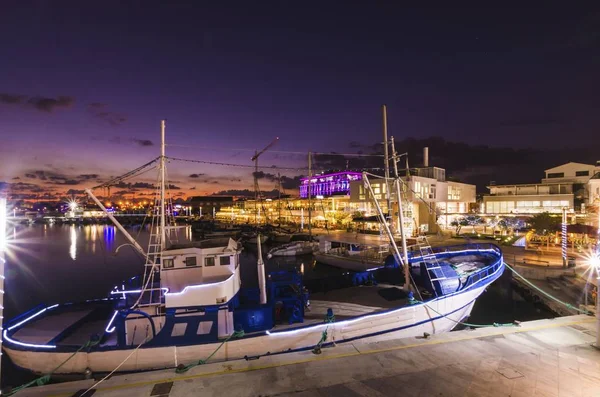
(84, 85)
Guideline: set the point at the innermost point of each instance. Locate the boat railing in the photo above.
(483, 273)
(472, 248)
(453, 249)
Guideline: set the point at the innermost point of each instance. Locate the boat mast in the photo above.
(309, 195)
(279, 200)
(386, 160)
(163, 229)
(401, 217)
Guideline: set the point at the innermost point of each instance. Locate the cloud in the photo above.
(142, 185)
(12, 99)
(264, 175)
(290, 183)
(101, 112)
(43, 104)
(73, 192)
(142, 142)
(196, 175)
(88, 176)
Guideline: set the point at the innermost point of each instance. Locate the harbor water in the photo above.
(69, 263)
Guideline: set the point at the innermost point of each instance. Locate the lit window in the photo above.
(167, 263)
(190, 261)
(224, 260)
(210, 261)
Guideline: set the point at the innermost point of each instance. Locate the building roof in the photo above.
(596, 176)
(558, 167)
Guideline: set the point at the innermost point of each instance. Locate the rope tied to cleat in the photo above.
(184, 368)
(329, 318)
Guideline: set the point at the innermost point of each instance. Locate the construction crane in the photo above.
(257, 154)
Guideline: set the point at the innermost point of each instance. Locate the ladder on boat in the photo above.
(429, 258)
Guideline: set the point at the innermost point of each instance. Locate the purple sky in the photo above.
(236, 76)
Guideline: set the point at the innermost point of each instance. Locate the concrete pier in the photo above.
(537, 358)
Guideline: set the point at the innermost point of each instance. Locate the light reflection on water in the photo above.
(73, 247)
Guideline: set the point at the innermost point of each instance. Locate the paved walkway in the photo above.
(540, 358)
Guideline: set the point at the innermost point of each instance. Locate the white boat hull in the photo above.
(408, 321)
(295, 249)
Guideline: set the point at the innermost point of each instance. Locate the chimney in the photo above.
(597, 163)
(426, 157)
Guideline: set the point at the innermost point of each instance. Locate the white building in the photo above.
(433, 201)
(571, 185)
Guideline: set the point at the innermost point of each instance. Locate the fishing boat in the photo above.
(190, 302)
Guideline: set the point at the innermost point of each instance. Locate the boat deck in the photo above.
(543, 357)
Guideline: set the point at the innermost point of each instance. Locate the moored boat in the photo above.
(190, 301)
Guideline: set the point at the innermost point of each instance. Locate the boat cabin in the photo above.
(203, 273)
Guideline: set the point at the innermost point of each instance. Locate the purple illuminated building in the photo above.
(329, 184)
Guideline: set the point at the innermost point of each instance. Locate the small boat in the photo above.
(279, 237)
(352, 254)
(294, 248)
(300, 244)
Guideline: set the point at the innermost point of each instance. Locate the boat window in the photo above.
(179, 329)
(167, 263)
(224, 260)
(190, 261)
(204, 327)
(209, 261)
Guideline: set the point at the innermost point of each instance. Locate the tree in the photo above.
(474, 220)
(510, 224)
(458, 223)
(545, 224)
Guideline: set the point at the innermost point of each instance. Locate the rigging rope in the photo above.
(126, 175)
(184, 368)
(117, 367)
(238, 165)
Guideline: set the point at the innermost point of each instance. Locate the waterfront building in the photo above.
(209, 205)
(571, 185)
(430, 201)
(326, 185)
